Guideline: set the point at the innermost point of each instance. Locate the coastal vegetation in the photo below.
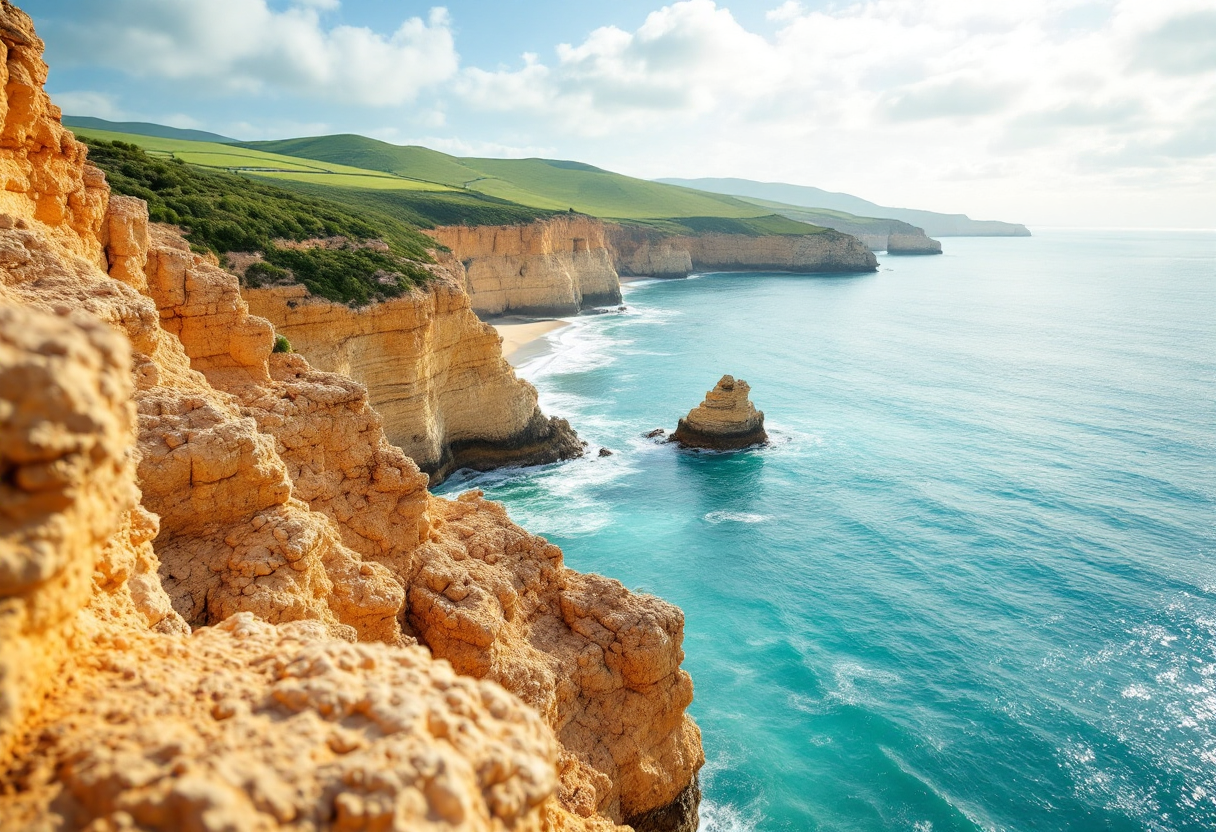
(223, 214)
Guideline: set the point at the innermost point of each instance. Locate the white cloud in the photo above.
(89, 103)
(787, 11)
(245, 46)
(1026, 111)
(905, 94)
(686, 59)
(497, 150)
(180, 120)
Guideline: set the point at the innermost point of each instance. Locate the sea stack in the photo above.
(725, 421)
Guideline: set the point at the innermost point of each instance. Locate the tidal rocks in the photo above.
(725, 421)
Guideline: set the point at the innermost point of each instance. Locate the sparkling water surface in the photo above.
(971, 584)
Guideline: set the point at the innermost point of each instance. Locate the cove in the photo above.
(971, 582)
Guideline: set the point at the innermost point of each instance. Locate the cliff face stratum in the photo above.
(228, 603)
(554, 266)
(639, 251)
(433, 371)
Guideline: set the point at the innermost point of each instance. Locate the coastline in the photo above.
(524, 338)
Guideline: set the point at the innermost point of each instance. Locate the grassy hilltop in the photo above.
(537, 183)
(425, 188)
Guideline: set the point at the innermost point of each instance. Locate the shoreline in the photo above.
(524, 338)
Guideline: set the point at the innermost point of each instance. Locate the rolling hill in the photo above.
(144, 128)
(538, 183)
(933, 223)
(425, 188)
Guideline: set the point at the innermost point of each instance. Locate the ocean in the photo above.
(971, 582)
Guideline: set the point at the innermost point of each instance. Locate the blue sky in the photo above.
(1056, 112)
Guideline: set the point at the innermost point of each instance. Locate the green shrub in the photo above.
(349, 275)
(262, 273)
(281, 344)
(223, 212)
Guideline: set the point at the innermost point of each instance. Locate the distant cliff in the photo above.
(561, 265)
(553, 266)
(642, 251)
(933, 223)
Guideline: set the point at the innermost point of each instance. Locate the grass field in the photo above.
(538, 183)
(424, 187)
(236, 158)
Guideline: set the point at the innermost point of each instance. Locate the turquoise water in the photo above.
(972, 582)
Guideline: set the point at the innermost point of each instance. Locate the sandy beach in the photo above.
(521, 336)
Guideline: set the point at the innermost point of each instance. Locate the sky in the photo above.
(1092, 113)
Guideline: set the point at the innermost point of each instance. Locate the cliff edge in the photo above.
(227, 602)
(554, 266)
(640, 251)
(433, 371)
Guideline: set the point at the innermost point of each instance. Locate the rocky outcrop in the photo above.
(433, 371)
(726, 420)
(828, 251)
(554, 266)
(159, 469)
(917, 243)
(647, 252)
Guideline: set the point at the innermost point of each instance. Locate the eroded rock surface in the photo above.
(554, 266)
(644, 252)
(433, 371)
(725, 421)
(160, 471)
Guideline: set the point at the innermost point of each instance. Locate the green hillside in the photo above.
(538, 183)
(143, 128)
(415, 187)
(770, 224)
(226, 214)
(415, 202)
(839, 220)
(415, 162)
(239, 159)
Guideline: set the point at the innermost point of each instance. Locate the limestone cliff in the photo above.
(560, 265)
(554, 266)
(641, 251)
(160, 469)
(433, 371)
(912, 243)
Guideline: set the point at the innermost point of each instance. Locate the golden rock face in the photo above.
(554, 266)
(433, 371)
(638, 251)
(364, 655)
(726, 420)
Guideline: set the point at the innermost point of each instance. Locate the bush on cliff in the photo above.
(224, 213)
